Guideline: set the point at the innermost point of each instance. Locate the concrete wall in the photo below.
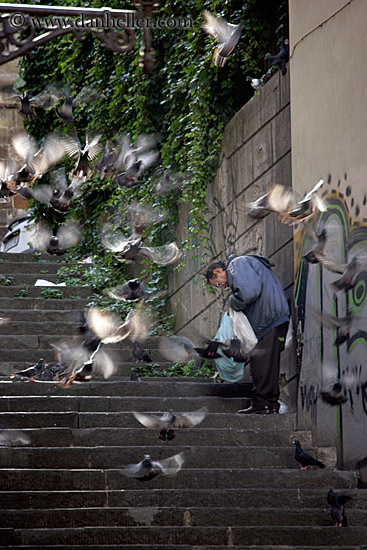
(11, 122)
(328, 71)
(255, 152)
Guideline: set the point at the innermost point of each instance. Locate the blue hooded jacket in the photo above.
(257, 292)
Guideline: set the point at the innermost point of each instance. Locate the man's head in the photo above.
(216, 274)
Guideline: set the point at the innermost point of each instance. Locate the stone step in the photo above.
(232, 536)
(29, 279)
(95, 437)
(25, 268)
(165, 516)
(13, 479)
(117, 457)
(122, 367)
(180, 547)
(175, 547)
(157, 494)
(42, 327)
(56, 313)
(22, 420)
(36, 291)
(41, 304)
(66, 403)
(39, 258)
(159, 387)
(129, 389)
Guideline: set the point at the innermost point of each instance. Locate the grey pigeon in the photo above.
(348, 271)
(131, 291)
(169, 420)
(226, 34)
(134, 377)
(338, 515)
(37, 159)
(280, 59)
(292, 209)
(318, 248)
(343, 325)
(148, 469)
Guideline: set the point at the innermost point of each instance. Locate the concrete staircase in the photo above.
(240, 485)
(36, 322)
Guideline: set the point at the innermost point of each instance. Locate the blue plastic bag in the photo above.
(228, 369)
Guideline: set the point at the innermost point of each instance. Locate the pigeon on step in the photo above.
(304, 459)
(134, 377)
(140, 354)
(336, 502)
(337, 498)
(31, 372)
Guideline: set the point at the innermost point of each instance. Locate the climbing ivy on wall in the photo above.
(187, 101)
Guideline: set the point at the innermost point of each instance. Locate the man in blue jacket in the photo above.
(257, 291)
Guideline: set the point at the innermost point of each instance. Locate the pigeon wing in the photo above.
(189, 420)
(162, 255)
(170, 466)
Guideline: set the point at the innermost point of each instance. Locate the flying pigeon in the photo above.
(210, 352)
(82, 155)
(44, 100)
(336, 385)
(140, 354)
(111, 329)
(320, 240)
(59, 195)
(55, 241)
(226, 34)
(63, 92)
(292, 209)
(131, 291)
(169, 183)
(148, 469)
(179, 349)
(280, 59)
(81, 366)
(343, 325)
(37, 160)
(304, 459)
(348, 271)
(134, 158)
(169, 421)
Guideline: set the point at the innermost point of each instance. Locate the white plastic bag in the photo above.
(242, 330)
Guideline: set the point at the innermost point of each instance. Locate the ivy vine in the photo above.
(187, 101)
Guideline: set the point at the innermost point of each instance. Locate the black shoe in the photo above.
(257, 410)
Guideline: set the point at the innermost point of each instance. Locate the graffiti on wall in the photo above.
(340, 338)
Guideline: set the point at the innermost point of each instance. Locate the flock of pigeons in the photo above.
(125, 162)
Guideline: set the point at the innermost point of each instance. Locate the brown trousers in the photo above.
(264, 367)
